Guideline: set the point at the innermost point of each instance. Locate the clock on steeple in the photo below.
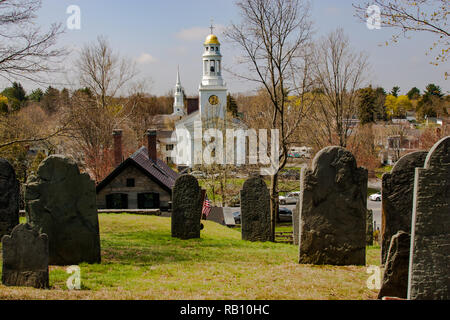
(212, 90)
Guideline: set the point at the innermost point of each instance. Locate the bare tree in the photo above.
(409, 16)
(25, 51)
(339, 72)
(104, 72)
(272, 36)
(96, 112)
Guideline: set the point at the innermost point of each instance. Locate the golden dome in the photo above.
(212, 39)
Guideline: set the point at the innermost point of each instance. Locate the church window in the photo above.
(212, 67)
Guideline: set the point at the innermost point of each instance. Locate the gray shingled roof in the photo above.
(159, 169)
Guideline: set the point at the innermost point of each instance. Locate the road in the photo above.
(375, 206)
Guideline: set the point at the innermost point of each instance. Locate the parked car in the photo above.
(290, 198)
(285, 215)
(375, 196)
(237, 217)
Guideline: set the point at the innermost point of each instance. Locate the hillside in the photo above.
(140, 260)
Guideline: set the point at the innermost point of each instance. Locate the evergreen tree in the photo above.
(50, 100)
(232, 106)
(366, 107)
(413, 94)
(36, 95)
(395, 91)
(16, 96)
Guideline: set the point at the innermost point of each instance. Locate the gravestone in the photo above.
(25, 258)
(397, 195)
(333, 210)
(61, 203)
(395, 278)
(369, 228)
(429, 262)
(9, 198)
(187, 208)
(255, 210)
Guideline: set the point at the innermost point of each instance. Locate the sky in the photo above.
(160, 35)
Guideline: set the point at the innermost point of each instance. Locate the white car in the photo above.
(375, 196)
(290, 198)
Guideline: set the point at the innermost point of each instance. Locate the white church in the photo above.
(212, 103)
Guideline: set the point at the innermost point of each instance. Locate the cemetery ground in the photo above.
(140, 260)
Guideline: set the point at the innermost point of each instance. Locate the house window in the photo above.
(130, 183)
(117, 201)
(148, 200)
(169, 147)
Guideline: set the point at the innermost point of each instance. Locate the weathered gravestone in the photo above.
(369, 228)
(61, 203)
(25, 258)
(395, 278)
(429, 277)
(333, 210)
(397, 195)
(187, 208)
(255, 210)
(9, 198)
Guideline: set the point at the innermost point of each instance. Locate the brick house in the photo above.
(140, 182)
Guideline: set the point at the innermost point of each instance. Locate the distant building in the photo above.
(140, 182)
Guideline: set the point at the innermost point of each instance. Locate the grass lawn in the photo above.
(140, 260)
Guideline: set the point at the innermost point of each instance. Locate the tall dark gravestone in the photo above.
(187, 201)
(25, 258)
(333, 210)
(61, 203)
(255, 210)
(9, 198)
(397, 197)
(429, 262)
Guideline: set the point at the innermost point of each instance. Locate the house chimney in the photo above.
(117, 135)
(151, 144)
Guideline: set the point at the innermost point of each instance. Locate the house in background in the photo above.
(140, 182)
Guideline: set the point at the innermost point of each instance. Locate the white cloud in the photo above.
(146, 58)
(198, 33)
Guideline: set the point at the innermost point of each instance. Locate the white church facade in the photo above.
(212, 109)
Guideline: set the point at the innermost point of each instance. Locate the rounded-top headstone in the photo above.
(9, 198)
(439, 153)
(25, 258)
(429, 260)
(255, 210)
(333, 210)
(187, 208)
(397, 195)
(61, 202)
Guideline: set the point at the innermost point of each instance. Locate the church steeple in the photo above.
(178, 103)
(212, 89)
(212, 61)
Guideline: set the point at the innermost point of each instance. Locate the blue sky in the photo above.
(160, 35)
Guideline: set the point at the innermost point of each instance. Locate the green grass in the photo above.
(140, 260)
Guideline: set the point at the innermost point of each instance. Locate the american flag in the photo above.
(206, 207)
